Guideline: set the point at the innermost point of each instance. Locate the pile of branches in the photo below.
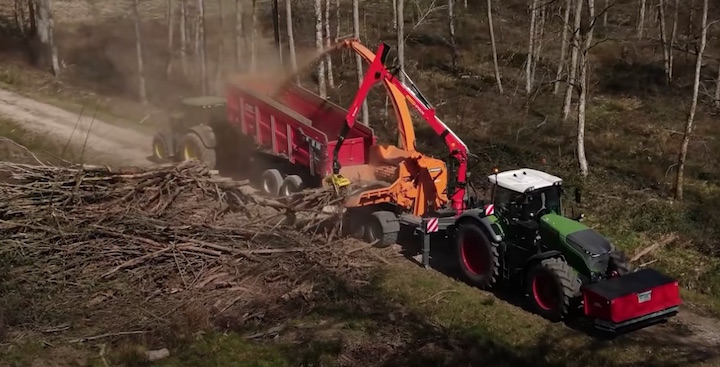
(168, 232)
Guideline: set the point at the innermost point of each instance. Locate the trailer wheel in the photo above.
(291, 185)
(478, 257)
(381, 226)
(192, 147)
(160, 149)
(271, 182)
(552, 284)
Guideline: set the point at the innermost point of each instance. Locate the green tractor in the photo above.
(191, 132)
(522, 237)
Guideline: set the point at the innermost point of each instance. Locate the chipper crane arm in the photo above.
(379, 73)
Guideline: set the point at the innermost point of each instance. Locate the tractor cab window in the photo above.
(507, 200)
(547, 198)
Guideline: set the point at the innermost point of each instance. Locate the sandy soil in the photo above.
(105, 142)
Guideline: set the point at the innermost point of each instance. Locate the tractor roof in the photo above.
(524, 179)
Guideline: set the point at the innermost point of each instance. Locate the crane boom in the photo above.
(458, 150)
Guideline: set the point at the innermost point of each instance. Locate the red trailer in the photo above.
(294, 127)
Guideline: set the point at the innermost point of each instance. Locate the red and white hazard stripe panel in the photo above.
(432, 225)
(489, 209)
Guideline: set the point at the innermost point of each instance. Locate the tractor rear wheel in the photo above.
(552, 285)
(192, 147)
(479, 258)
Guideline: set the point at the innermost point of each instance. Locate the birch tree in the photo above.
(253, 37)
(682, 156)
(221, 48)
(142, 92)
(717, 88)
(531, 48)
(641, 19)
(358, 59)
(451, 30)
(401, 37)
(673, 35)
(328, 43)
(322, 88)
(563, 45)
(202, 45)
(584, 83)
(239, 33)
(572, 67)
(48, 57)
(171, 29)
(183, 36)
(666, 47)
(492, 43)
(291, 36)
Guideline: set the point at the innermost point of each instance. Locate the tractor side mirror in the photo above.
(578, 196)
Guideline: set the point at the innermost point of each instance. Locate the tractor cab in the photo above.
(524, 195)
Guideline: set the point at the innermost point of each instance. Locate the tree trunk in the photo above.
(171, 33)
(693, 106)
(539, 39)
(221, 49)
(322, 87)
(202, 46)
(328, 43)
(401, 37)
(337, 28)
(606, 10)
(582, 99)
(276, 30)
(494, 48)
(358, 59)
(32, 16)
(291, 35)
(717, 88)
(531, 48)
(563, 46)
(641, 19)
(139, 49)
(664, 43)
(673, 35)
(690, 28)
(183, 36)
(451, 29)
(572, 68)
(239, 34)
(254, 36)
(48, 57)
(394, 5)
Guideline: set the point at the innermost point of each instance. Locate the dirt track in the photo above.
(106, 142)
(124, 146)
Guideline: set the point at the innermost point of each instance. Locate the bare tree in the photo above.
(394, 5)
(202, 45)
(139, 49)
(572, 67)
(183, 36)
(531, 47)
(679, 179)
(358, 59)
(717, 88)
(401, 37)
(239, 33)
(666, 47)
(221, 49)
(538, 40)
(328, 43)
(583, 85)
(254, 36)
(322, 88)
(494, 47)
(641, 19)
(45, 36)
(673, 35)
(171, 28)
(563, 45)
(606, 10)
(291, 36)
(451, 29)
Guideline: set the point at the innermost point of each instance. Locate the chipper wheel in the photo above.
(381, 226)
(478, 257)
(552, 284)
(272, 180)
(192, 147)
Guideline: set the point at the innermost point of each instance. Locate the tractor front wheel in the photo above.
(479, 258)
(160, 149)
(552, 284)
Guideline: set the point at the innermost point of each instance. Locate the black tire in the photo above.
(375, 229)
(478, 257)
(271, 182)
(552, 285)
(291, 184)
(192, 147)
(160, 149)
(620, 263)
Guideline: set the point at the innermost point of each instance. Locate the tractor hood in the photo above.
(566, 234)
